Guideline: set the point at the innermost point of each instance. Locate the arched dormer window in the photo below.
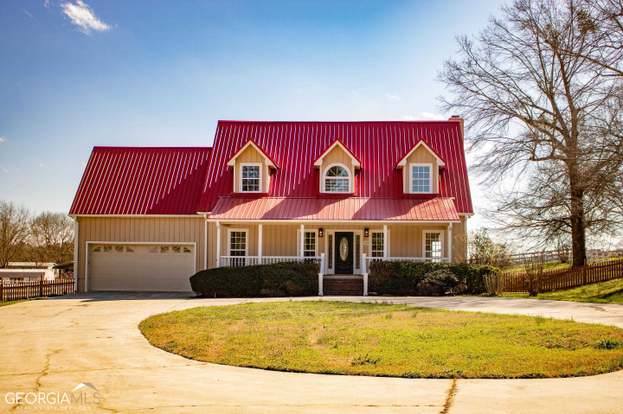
(337, 179)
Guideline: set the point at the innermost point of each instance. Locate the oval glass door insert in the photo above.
(344, 249)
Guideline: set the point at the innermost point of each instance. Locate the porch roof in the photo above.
(440, 209)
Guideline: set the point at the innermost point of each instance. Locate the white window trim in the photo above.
(246, 245)
(250, 164)
(430, 178)
(324, 176)
(315, 244)
(370, 241)
(441, 239)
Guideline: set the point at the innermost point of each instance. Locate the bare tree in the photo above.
(483, 250)
(14, 231)
(541, 99)
(52, 237)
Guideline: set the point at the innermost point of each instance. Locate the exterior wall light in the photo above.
(366, 232)
(320, 232)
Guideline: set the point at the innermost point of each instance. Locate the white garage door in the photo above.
(141, 267)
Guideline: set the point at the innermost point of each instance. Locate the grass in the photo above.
(520, 268)
(386, 340)
(603, 292)
(9, 302)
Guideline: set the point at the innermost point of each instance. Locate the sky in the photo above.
(75, 74)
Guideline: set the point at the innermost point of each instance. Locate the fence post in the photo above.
(41, 287)
(584, 275)
(1, 289)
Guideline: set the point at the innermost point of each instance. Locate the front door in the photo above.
(343, 253)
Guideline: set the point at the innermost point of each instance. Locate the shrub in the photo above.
(279, 279)
(404, 278)
(438, 283)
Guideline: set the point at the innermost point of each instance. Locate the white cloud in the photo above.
(82, 16)
(41, 165)
(3, 140)
(4, 170)
(392, 97)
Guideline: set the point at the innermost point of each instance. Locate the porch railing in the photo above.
(406, 259)
(240, 261)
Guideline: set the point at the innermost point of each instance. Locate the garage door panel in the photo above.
(141, 267)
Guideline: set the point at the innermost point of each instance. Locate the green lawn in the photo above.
(386, 340)
(546, 266)
(604, 292)
(9, 302)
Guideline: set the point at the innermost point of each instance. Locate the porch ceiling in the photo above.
(440, 209)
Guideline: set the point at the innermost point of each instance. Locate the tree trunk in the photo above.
(578, 228)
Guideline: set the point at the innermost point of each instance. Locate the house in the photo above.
(340, 193)
(28, 271)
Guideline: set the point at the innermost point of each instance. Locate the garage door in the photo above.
(141, 267)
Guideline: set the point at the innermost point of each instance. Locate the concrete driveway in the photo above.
(49, 347)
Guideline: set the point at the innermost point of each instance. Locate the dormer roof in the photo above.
(403, 160)
(337, 143)
(252, 144)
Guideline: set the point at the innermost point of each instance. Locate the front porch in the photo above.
(341, 250)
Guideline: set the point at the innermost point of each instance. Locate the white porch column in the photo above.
(76, 253)
(218, 244)
(364, 266)
(385, 241)
(205, 241)
(449, 255)
(302, 241)
(260, 239)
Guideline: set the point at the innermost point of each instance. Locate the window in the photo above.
(337, 180)
(421, 178)
(433, 245)
(250, 178)
(378, 245)
(237, 247)
(309, 246)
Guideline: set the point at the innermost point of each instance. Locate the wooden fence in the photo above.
(35, 288)
(550, 280)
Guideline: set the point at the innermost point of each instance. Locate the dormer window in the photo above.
(421, 170)
(337, 179)
(250, 178)
(252, 169)
(421, 178)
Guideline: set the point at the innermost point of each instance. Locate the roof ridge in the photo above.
(131, 148)
(389, 121)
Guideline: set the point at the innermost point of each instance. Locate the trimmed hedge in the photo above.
(279, 279)
(418, 279)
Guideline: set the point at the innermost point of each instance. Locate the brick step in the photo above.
(348, 286)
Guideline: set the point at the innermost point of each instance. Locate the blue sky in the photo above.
(75, 74)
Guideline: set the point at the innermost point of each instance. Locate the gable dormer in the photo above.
(252, 168)
(337, 166)
(420, 170)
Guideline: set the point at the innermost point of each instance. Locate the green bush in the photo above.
(438, 283)
(405, 278)
(279, 279)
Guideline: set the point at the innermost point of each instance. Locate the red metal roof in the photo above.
(377, 145)
(328, 209)
(127, 180)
